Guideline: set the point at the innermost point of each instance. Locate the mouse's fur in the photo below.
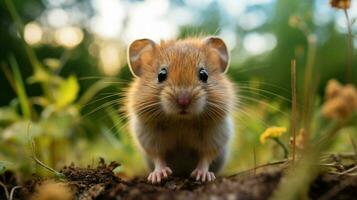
(181, 141)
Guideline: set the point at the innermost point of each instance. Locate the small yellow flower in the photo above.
(271, 132)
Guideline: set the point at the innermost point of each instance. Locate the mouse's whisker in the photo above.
(250, 83)
(147, 108)
(264, 103)
(102, 78)
(120, 129)
(100, 99)
(107, 104)
(251, 116)
(216, 110)
(258, 90)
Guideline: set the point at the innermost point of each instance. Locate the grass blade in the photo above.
(20, 88)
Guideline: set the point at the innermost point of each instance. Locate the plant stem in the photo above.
(35, 63)
(293, 107)
(296, 182)
(13, 191)
(308, 88)
(282, 145)
(349, 49)
(255, 161)
(5, 190)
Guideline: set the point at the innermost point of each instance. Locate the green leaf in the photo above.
(19, 132)
(67, 92)
(8, 115)
(4, 165)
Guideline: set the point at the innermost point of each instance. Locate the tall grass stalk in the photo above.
(20, 88)
(20, 28)
(37, 66)
(308, 87)
(293, 109)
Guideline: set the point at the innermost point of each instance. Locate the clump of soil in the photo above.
(90, 183)
(101, 183)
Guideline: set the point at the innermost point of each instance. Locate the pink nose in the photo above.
(184, 100)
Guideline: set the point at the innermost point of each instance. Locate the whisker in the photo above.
(96, 100)
(109, 103)
(268, 104)
(262, 83)
(257, 90)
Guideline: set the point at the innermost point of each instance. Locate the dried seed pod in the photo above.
(340, 4)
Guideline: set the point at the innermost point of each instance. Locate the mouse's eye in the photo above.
(203, 75)
(162, 75)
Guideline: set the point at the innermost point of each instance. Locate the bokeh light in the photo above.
(69, 37)
(111, 58)
(57, 17)
(256, 43)
(33, 33)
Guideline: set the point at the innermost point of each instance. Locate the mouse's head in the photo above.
(183, 78)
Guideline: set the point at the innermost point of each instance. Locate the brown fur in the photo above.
(151, 105)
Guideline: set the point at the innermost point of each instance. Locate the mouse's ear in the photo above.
(217, 52)
(140, 52)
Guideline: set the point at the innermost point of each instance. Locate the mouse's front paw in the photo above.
(203, 175)
(159, 174)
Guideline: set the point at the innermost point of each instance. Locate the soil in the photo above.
(101, 183)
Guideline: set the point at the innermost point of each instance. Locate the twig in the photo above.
(5, 189)
(37, 161)
(347, 171)
(293, 106)
(13, 191)
(334, 165)
(261, 166)
(348, 155)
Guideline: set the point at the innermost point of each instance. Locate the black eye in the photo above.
(162, 75)
(203, 75)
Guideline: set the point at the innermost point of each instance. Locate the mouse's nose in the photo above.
(184, 100)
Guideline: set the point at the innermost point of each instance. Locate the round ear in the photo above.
(218, 52)
(140, 53)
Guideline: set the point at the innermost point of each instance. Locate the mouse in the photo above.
(180, 105)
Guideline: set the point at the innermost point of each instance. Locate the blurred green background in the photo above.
(64, 69)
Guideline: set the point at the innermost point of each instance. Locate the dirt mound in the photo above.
(101, 183)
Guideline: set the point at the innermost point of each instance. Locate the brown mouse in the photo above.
(180, 104)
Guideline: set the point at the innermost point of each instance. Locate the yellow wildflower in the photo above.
(271, 132)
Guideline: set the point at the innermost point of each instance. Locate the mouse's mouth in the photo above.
(183, 112)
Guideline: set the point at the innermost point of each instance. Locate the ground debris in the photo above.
(90, 182)
(100, 182)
